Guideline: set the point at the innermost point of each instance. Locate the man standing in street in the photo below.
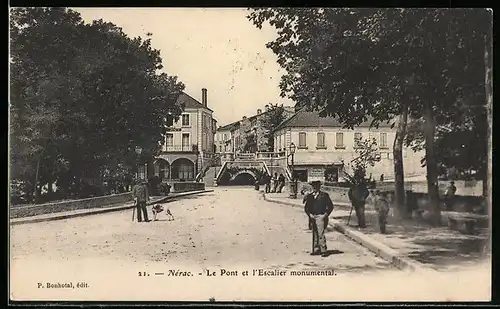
(281, 182)
(318, 207)
(274, 183)
(382, 207)
(357, 195)
(267, 182)
(141, 196)
(449, 196)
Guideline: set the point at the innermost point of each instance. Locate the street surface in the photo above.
(230, 226)
(222, 233)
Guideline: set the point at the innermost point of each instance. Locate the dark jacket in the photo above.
(358, 193)
(318, 206)
(140, 191)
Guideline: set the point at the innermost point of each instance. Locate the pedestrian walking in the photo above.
(141, 196)
(357, 195)
(281, 182)
(318, 207)
(275, 183)
(382, 206)
(449, 196)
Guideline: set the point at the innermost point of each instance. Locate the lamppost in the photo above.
(138, 151)
(293, 185)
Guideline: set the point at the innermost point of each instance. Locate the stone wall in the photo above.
(178, 187)
(94, 202)
(462, 203)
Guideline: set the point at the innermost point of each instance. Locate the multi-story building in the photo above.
(246, 135)
(324, 149)
(189, 142)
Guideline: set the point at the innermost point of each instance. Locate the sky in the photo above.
(217, 48)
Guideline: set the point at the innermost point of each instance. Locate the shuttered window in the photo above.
(321, 140)
(302, 140)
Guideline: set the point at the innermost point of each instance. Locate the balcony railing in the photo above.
(183, 148)
(269, 155)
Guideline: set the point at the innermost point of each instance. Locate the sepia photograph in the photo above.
(250, 154)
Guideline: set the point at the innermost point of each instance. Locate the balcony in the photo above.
(270, 155)
(183, 148)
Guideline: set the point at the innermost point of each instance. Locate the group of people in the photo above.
(318, 206)
(274, 184)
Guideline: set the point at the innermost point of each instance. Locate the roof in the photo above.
(235, 125)
(229, 127)
(304, 118)
(190, 102)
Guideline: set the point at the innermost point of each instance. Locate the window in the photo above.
(339, 140)
(170, 140)
(185, 119)
(383, 140)
(220, 148)
(302, 139)
(357, 139)
(321, 140)
(225, 137)
(185, 141)
(186, 171)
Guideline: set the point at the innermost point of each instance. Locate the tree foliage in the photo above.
(360, 63)
(274, 115)
(82, 96)
(367, 155)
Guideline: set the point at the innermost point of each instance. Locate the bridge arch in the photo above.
(242, 172)
(243, 178)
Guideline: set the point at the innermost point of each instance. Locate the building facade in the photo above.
(189, 142)
(246, 135)
(324, 149)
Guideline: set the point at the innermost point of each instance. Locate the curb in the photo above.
(380, 249)
(104, 210)
(376, 247)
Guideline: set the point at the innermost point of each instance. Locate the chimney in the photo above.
(259, 111)
(244, 117)
(204, 97)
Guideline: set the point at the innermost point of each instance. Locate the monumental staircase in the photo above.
(253, 164)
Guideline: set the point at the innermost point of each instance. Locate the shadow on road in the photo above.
(438, 247)
(189, 197)
(333, 252)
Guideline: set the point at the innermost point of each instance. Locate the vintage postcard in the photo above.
(250, 154)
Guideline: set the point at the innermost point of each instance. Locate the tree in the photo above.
(273, 116)
(356, 63)
(367, 154)
(82, 94)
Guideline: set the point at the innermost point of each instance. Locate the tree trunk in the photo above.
(431, 164)
(401, 210)
(50, 191)
(36, 185)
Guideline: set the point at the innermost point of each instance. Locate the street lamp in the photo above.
(138, 151)
(293, 186)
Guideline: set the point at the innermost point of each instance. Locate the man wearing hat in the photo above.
(141, 196)
(318, 207)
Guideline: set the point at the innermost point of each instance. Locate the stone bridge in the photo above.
(241, 171)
